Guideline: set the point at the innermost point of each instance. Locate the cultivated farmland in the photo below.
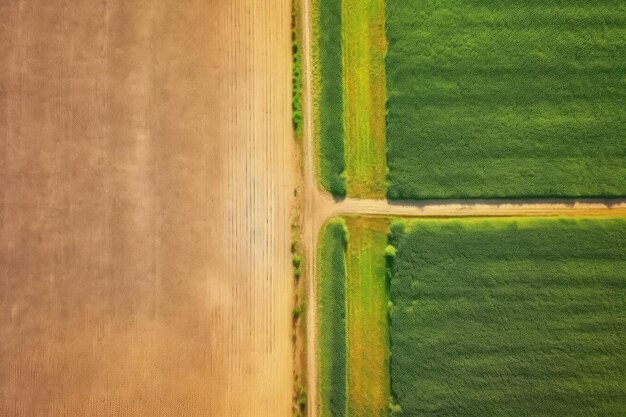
(506, 99)
(509, 317)
(364, 46)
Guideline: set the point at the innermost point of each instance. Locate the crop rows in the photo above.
(329, 95)
(509, 317)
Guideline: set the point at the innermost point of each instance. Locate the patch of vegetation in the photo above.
(506, 99)
(296, 261)
(331, 289)
(367, 319)
(300, 403)
(364, 47)
(509, 317)
(329, 92)
(296, 50)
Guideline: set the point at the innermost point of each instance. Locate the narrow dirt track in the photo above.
(319, 207)
(146, 182)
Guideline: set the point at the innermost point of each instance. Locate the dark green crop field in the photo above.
(331, 330)
(329, 100)
(514, 99)
(509, 317)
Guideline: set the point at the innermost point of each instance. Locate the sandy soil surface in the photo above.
(146, 181)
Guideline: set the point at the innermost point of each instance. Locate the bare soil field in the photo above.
(146, 181)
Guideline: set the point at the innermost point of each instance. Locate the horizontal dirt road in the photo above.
(146, 181)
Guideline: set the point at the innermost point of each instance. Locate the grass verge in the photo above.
(494, 99)
(296, 50)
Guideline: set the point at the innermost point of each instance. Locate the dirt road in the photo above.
(145, 190)
(319, 207)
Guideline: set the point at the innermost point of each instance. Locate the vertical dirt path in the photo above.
(146, 181)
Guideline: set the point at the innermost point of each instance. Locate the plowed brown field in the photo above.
(145, 190)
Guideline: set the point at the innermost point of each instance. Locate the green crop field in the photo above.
(353, 328)
(297, 116)
(509, 317)
(367, 318)
(329, 95)
(513, 99)
(331, 288)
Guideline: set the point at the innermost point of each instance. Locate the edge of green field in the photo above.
(328, 95)
(331, 328)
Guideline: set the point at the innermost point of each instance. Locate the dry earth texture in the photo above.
(145, 185)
